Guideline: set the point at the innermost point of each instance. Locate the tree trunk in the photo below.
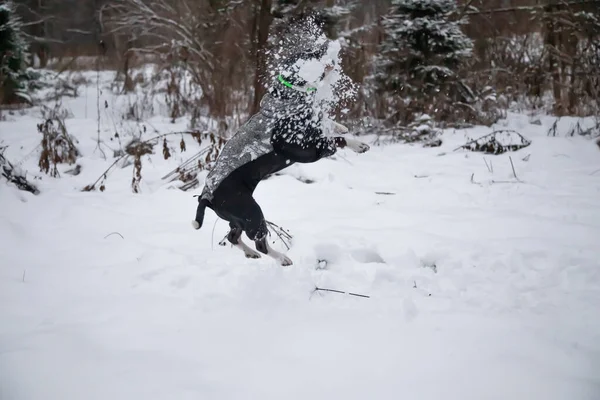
(264, 23)
(551, 40)
(128, 84)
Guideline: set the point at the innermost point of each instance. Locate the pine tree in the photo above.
(420, 54)
(13, 51)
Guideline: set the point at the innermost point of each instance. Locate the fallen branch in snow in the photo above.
(318, 289)
(8, 171)
(594, 172)
(492, 144)
(114, 233)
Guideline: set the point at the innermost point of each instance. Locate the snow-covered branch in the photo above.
(181, 24)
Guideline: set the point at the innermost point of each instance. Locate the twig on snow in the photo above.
(212, 236)
(513, 169)
(318, 289)
(489, 167)
(98, 141)
(283, 235)
(114, 233)
(473, 180)
(593, 173)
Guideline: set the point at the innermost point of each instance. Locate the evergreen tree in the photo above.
(419, 56)
(13, 50)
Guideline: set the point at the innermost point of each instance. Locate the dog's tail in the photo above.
(197, 222)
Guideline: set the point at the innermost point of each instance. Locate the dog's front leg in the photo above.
(338, 129)
(357, 146)
(352, 144)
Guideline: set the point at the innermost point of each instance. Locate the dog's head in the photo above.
(308, 67)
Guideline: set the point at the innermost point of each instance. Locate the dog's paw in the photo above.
(339, 128)
(356, 146)
(286, 261)
(195, 225)
(252, 254)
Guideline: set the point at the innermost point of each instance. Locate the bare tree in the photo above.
(190, 31)
(260, 36)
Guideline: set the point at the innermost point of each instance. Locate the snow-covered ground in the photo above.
(480, 288)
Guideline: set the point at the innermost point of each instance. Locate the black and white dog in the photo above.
(285, 131)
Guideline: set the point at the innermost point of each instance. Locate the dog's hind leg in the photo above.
(250, 218)
(263, 246)
(235, 238)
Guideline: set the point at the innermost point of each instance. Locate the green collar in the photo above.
(297, 88)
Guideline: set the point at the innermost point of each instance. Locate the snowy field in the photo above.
(481, 286)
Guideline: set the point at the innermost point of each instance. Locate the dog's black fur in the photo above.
(295, 138)
(233, 200)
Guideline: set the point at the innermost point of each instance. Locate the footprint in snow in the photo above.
(150, 275)
(331, 253)
(181, 282)
(367, 256)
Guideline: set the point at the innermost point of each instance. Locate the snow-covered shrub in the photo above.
(57, 145)
(186, 172)
(137, 149)
(498, 142)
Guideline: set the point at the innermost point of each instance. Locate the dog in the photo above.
(285, 130)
